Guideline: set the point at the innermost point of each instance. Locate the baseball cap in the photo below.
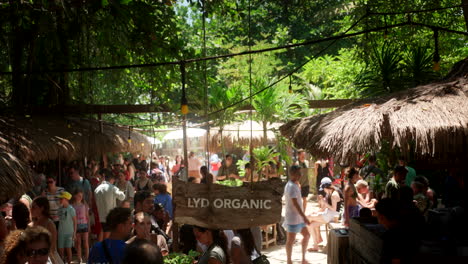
(325, 183)
(65, 195)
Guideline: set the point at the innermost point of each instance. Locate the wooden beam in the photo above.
(121, 109)
(100, 109)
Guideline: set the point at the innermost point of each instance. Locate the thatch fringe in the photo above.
(46, 138)
(15, 176)
(431, 120)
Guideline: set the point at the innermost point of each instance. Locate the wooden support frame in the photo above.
(121, 109)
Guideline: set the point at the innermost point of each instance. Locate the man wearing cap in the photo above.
(107, 195)
(67, 226)
(392, 189)
(295, 220)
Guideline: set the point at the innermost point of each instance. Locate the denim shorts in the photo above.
(295, 228)
(82, 228)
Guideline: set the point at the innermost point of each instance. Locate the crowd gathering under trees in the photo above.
(123, 212)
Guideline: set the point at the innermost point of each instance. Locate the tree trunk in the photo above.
(465, 12)
(265, 134)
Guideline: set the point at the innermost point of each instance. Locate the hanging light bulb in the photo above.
(129, 132)
(142, 144)
(290, 86)
(183, 102)
(436, 60)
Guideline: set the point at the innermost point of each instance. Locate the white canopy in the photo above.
(191, 133)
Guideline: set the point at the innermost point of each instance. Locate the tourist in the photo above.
(243, 249)
(163, 168)
(111, 250)
(420, 198)
(370, 172)
(275, 168)
(392, 189)
(142, 228)
(304, 179)
(82, 226)
(228, 170)
(364, 196)
(163, 197)
(295, 220)
(142, 252)
(13, 250)
(322, 169)
(106, 196)
(411, 172)
(428, 191)
(130, 168)
(67, 226)
(126, 187)
(20, 215)
(215, 164)
(351, 196)
(40, 213)
(330, 206)
(206, 176)
(398, 246)
(31, 246)
(216, 244)
(126, 204)
(78, 182)
(143, 183)
(194, 165)
(179, 163)
(52, 192)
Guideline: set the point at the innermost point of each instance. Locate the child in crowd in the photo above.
(364, 196)
(67, 226)
(82, 228)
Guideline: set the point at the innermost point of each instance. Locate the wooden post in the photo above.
(59, 176)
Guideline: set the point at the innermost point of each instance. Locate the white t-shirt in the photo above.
(292, 216)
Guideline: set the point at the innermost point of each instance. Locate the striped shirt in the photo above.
(54, 203)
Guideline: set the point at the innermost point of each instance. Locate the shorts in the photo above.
(328, 215)
(105, 228)
(305, 190)
(82, 228)
(65, 240)
(294, 228)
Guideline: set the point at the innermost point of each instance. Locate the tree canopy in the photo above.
(41, 41)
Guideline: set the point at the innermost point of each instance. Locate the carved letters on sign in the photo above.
(223, 207)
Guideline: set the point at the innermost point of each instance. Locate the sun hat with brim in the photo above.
(65, 195)
(326, 182)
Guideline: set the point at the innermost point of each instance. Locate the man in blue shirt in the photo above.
(111, 250)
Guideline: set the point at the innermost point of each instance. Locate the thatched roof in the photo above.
(43, 138)
(432, 118)
(48, 137)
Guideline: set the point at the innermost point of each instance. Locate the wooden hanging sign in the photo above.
(222, 207)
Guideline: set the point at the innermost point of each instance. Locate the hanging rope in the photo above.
(251, 158)
(205, 86)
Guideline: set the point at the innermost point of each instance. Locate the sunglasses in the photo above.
(37, 252)
(49, 182)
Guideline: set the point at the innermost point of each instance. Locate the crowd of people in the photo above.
(110, 214)
(401, 207)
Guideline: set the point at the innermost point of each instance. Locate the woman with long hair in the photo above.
(329, 209)
(40, 213)
(179, 163)
(243, 249)
(215, 241)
